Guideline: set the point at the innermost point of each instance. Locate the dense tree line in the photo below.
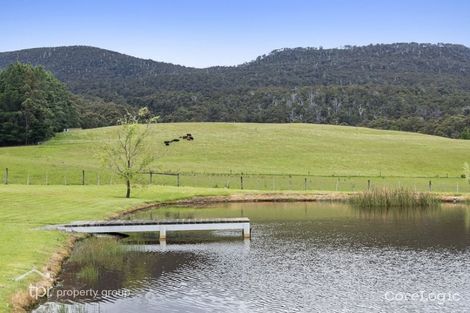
(33, 105)
(410, 109)
(405, 86)
(95, 112)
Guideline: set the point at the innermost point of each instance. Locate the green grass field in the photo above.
(299, 149)
(25, 208)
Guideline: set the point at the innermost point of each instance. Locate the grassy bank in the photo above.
(25, 208)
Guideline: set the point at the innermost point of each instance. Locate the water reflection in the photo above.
(446, 226)
(398, 214)
(129, 269)
(303, 257)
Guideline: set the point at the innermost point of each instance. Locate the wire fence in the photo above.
(273, 182)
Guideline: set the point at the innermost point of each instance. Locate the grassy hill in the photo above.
(251, 148)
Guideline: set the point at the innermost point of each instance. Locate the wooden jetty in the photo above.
(161, 226)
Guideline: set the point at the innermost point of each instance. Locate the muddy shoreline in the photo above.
(24, 302)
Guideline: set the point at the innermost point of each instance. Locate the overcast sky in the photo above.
(224, 32)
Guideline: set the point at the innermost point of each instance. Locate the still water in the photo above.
(303, 257)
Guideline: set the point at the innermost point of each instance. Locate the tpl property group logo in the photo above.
(35, 291)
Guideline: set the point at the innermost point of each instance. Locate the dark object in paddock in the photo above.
(188, 137)
(167, 142)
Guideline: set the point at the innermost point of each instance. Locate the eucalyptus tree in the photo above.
(128, 154)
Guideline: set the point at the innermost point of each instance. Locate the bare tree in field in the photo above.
(129, 154)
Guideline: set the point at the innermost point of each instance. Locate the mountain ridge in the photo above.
(255, 59)
(292, 66)
(404, 86)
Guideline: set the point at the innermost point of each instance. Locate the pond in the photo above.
(303, 257)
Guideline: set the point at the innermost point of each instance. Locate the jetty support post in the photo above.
(246, 231)
(162, 232)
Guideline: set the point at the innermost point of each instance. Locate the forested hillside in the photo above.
(405, 86)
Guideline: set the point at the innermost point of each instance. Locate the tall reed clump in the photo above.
(89, 274)
(400, 198)
(97, 250)
(94, 256)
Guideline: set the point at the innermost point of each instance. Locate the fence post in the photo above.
(27, 179)
(241, 182)
(337, 183)
(47, 179)
(150, 177)
(6, 176)
(305, 183)
(178, 179)
(430, 186)
(98, 180)
(83, 177)
(368, 184)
